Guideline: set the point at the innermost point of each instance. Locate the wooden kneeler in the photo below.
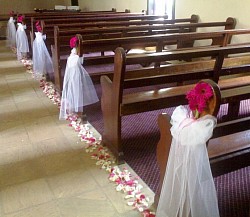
(163, 146)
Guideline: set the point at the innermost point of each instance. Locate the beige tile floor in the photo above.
(44, 170)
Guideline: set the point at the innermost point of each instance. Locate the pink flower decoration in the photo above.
(39, 28)
(147, 213)
(142, 197)
(130, 183)
(191, 97)
(118, 181)
(92, 139)
(20, 19)
(198, 96)
(38, 23)
(73, 42)
(100, 148)
(101, 157)
(204, 90)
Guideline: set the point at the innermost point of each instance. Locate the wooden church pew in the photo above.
(93, 21)
(69, 14)
(116, 102)
(76, 18)
(49, 28)
(220, 38)
(54, 11)
(91, 17)
(116, 32)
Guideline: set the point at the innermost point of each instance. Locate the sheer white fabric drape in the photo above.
(78, 89)
(21, 41)
(42, 62)
(188, 187)
(11, 33)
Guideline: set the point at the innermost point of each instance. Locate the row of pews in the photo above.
(102, 39)
(158, 77)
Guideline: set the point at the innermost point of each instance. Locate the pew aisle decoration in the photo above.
(124, 181)
(198, 97)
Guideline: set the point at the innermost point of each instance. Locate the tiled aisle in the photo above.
(44, 170)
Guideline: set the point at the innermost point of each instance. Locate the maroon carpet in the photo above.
(140, 135)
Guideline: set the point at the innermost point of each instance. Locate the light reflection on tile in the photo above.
(72, 183)
(28, 194)
(77, 207)
(49, 209)
(16, 152)
(42, 128)
(8, 113)
(20, 171)
(13, 131)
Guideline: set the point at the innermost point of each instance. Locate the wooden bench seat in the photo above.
(114, 32)
(104, 17)
(176, 95)
(223, 145)
(44, 11)
(107, 21)
(117, 103)
(117, 32)
(128, 43)
(101, 20)
(31, 18)
(114, 21)
(137, 26)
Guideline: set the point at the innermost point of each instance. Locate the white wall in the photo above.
(25, 6)
(214, 10)
(120, 5)
(217, 10)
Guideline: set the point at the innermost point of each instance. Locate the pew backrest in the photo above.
(220, 38)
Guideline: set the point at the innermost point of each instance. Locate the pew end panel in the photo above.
(110, 104)
(31, 43)
(56, 61)
(32, 31)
